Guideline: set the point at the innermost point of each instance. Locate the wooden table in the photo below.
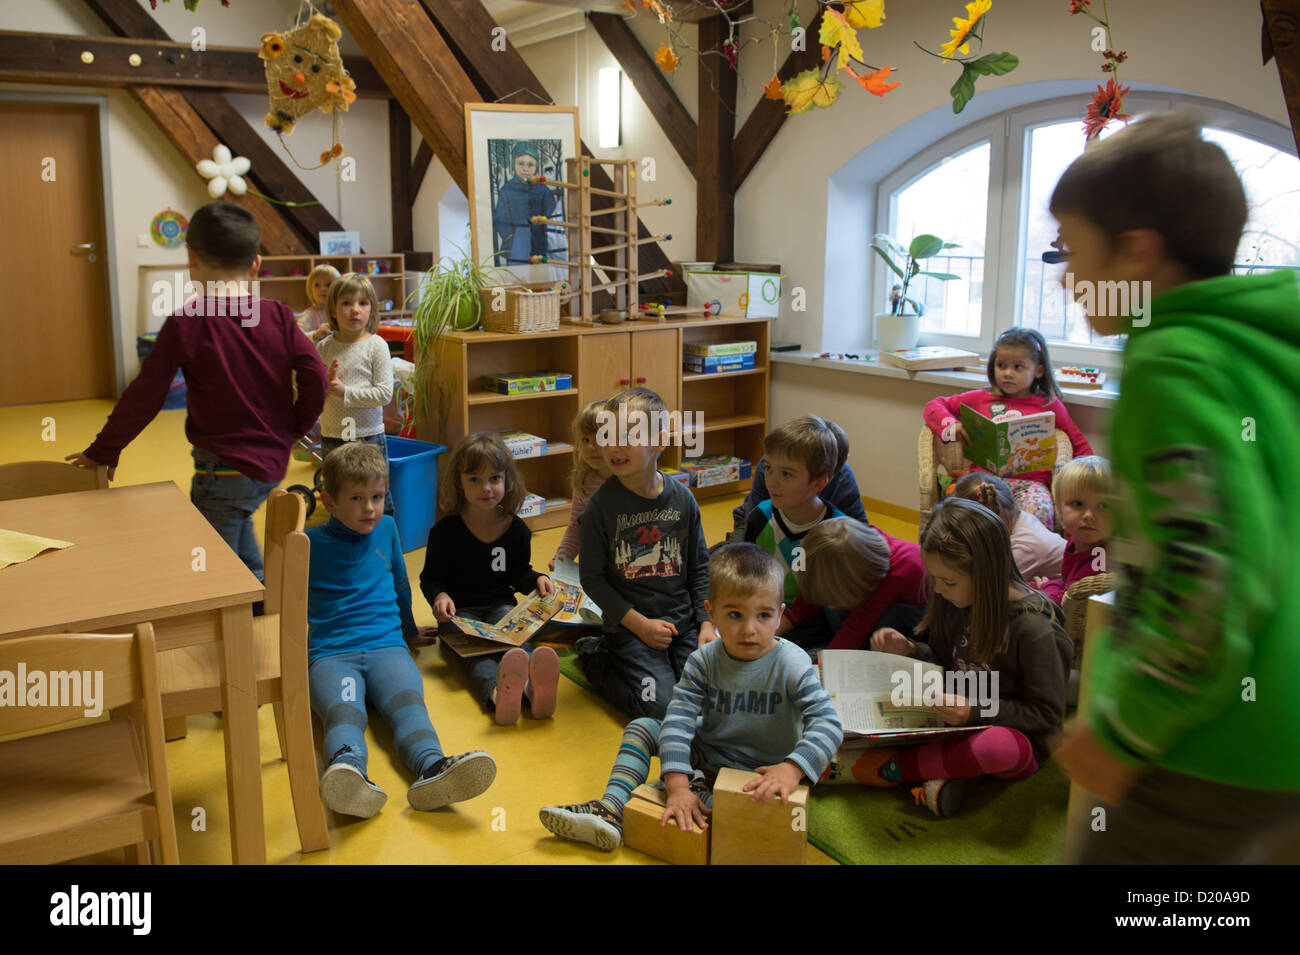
(144, 553)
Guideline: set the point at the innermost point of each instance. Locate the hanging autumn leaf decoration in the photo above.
(836, 33)
(877, 83)
(773, 88)
(841, 51)
(811, 90)
(865, 14)
(666, 58)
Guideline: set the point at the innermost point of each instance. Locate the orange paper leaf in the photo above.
(877, 82)
(666, 58)
(773, 89)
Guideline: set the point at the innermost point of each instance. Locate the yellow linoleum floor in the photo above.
(565, 759)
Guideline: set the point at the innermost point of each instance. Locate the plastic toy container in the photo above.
(413, 481)
(176, 391)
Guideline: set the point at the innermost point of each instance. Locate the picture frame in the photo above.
(501, 138)
(340, 243)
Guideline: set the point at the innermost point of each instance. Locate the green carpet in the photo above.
(1001, 823)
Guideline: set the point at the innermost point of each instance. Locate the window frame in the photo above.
(1008, 213)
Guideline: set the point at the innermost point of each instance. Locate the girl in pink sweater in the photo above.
(1020, 383)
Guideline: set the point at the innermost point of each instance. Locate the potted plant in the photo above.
(899, 328)
(448, 296)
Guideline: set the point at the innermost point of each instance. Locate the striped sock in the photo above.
(632, 767)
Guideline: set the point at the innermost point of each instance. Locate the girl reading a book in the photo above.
(589, 472)
(478, 557)
(981, 616)
(1020, 383)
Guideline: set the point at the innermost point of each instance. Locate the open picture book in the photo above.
(568, 605)
(878, 697)
(1012, 445)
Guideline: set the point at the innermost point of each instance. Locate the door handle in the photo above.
(84, 247)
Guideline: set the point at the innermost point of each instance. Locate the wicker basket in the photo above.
(526, 310)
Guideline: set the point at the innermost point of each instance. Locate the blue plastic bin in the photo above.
(413, 481)
(176, 391)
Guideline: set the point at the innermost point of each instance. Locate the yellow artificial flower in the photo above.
(960, 42)
(272, 46)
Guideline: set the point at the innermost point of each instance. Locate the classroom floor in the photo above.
(561, 760)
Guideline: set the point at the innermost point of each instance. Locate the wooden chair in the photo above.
(91, 787)
(931, 452)
(191, 676)
(1075, 605)
(38, 478)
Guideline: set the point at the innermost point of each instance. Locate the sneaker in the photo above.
(589, 822)
(543, 682)
(452, 779)
(586, 646)
(512, 674)
(943, 796)
(346, 790)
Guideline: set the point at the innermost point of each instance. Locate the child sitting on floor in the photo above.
(589, 472)
(850, 566)
(359, 614)
(788, 739)
(1037, 551)
(479, 554)
(1020, 383)
(1080, 490)
(982, 616)
(643, 562)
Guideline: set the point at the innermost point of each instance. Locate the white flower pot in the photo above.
(897, 331)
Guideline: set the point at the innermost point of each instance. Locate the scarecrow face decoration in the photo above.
(304, 72)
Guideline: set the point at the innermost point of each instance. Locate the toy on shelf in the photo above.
(620, 220)
(1074, 376)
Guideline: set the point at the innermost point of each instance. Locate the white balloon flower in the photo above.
(224, 171)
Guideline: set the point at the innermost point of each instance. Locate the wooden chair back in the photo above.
(38, 478)
(285, 514)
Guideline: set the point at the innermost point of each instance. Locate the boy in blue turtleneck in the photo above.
(359, 621)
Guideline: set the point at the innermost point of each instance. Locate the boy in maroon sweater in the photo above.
(238, 353)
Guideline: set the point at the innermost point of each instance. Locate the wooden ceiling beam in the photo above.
(649, 82)
(399, 176)
(769, 115)
(1281, 40)
(715, 217)
(186, 129)
(420, 166)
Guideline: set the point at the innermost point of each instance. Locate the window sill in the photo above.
(1095, 398)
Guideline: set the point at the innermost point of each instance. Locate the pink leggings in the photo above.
(997, 751)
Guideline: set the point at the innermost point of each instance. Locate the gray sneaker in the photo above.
(589, 822)
(452, 779)
(346, 790)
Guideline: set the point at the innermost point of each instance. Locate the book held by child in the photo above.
(1013, 445)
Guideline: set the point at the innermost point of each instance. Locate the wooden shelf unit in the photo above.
(603, 360)
(283, 286)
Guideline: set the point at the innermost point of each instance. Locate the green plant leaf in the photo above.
(952, 245)
(888, 261)
(963, 89)
(924, 246)
(994, 64)
(891, 243)
(941, 276)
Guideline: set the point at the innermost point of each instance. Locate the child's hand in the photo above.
(544, 586)
(81, 461)
(551, 565)
(708, 633)
(335, 386)
(1039, 581)
(962, 436)
(1089, 764)
(657, 634)
(889, 640)
(954, 710)
(319, 333)
(685, 808)
(424, 637)
(779, 781)
(443, 607)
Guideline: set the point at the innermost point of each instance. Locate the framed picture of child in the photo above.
(509, 147)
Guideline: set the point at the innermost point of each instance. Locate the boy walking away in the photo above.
(643, 561)
(238, 353)
(748, 700)
(359, 614)
(1193, 735)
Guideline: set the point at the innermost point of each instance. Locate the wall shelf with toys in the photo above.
(600, 361)
(284, 278)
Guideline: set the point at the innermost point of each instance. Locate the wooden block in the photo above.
(750, 833)
(641, 831)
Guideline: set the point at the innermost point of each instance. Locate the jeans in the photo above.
(378, 440)
(340, 685)
(635, 678)
(228, 503)
(480, 671)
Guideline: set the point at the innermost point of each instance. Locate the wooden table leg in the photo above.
(243, 757)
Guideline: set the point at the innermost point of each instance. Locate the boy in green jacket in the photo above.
(1193, 733)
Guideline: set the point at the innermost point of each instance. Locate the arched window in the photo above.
(987, 186)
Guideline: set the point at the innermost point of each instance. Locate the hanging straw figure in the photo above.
(304, 73)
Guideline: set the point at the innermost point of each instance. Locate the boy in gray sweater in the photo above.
(748, 700)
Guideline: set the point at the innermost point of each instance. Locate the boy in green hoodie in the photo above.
(1193, 735)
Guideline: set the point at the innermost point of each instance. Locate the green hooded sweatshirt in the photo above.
(1201, 673)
